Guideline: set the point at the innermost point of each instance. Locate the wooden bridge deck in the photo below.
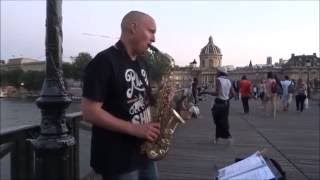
(292, 139)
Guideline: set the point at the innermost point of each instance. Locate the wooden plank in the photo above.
(292, 139)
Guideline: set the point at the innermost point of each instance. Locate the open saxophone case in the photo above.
(256, 166)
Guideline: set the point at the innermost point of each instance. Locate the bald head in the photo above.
(133, 17)
(137, 32)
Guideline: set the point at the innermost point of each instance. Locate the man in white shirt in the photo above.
(286, 94)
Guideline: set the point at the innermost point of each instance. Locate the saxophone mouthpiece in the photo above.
(153, 48)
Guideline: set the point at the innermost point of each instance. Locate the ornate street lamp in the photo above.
(53, 146)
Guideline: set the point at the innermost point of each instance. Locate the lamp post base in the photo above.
(53, 157)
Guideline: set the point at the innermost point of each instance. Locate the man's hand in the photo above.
(150, 131)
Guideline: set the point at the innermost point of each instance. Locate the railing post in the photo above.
(73, 124)
(22, 160)
(54, 145)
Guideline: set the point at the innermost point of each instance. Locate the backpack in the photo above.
(274, 87)
(279, 89)
(291, 88)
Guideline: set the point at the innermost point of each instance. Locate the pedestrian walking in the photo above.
(279, 92)
(262, 90)
(255, 91)
(236, 88)
(301, 95)
(286, 85)
(246, 93)
(194, 89)
(271, 95)
(220, 110)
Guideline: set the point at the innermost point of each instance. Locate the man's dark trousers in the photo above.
(245, 103)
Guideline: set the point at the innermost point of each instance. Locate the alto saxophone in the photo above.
(164, 113)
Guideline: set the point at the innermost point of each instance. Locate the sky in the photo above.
(243, 30)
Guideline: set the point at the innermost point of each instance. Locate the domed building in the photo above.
(210, 59)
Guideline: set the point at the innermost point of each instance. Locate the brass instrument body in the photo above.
(163, 113)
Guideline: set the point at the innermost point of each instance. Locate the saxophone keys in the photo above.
(176, 114)
(153, 154)
(165, 141)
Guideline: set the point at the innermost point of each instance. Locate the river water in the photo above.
(19, 112)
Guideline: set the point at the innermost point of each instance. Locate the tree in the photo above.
(12, 77)
(2, 79)
(67, 70)
(33, 80)
(159, 65)
(80, 63)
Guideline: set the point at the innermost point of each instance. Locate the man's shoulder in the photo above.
(104, 56)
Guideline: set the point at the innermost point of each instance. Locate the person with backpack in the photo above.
(279, 91)
(301, 95)
(287, 86)
(271, 94)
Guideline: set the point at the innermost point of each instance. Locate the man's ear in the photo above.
(133, 28)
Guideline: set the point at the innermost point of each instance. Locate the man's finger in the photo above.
(155, 130)
(157, 125)
(153, 136)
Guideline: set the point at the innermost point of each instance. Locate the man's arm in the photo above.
(93, 113)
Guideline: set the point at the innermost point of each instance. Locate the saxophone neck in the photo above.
(153, 48)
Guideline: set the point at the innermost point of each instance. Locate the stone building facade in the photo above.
(24, 64)
(306, 67)
(210, 58)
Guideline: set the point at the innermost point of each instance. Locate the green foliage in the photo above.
(2, 73)
(12, 77)
(159, 65)
(33, 80)
(79, 64)
(67, 69)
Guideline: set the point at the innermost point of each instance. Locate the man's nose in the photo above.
(153, 38)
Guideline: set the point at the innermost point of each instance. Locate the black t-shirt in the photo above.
(112, 78)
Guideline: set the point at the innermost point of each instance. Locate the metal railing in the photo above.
(17, 143)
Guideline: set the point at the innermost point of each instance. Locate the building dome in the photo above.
(210, 48)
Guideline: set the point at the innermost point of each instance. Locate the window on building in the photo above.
(211, 63)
